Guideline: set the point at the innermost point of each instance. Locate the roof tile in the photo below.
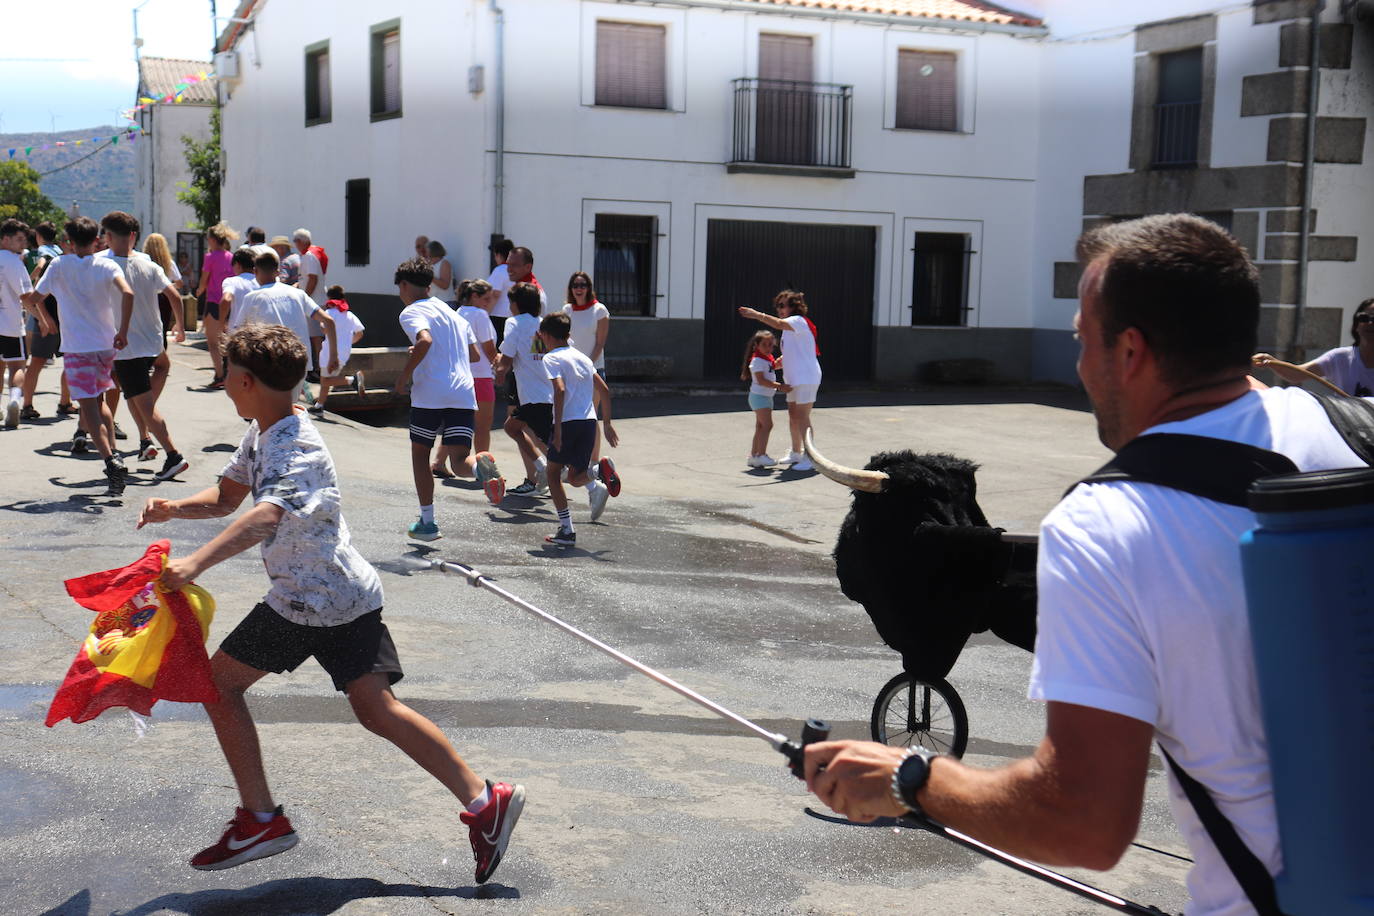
(960, 10)
(159, 76)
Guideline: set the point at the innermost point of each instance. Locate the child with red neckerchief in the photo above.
(349, 331)
(760, 370)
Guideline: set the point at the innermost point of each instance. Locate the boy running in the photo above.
(325, 601)
(522, 350)
(133, 365)
(14, 284)
(576, 387)
(235, 288)
(97, 305)
(273, 302)
(442, 402)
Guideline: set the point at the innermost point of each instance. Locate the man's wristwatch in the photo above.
(910, 777)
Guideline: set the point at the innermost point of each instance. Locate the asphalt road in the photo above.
(639, 801)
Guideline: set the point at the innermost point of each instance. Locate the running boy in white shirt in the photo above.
(274, 302)
(439, 377)
(325, 601)
(97, 305)
(576, 388)
(235, 288)
(348, 330)
(522, 350)
(14, 284)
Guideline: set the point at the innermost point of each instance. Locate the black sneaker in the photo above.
(117, 475)
(81, 444)
(146, 450)
(120, 434)
(173, 466)
(562, 538)
(313, 376)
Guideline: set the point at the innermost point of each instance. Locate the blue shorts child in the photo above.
(579, 438)
(760, 401)
(450, 425)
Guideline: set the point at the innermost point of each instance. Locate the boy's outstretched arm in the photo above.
(215, 502)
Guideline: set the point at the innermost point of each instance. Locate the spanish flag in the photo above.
(146, 643)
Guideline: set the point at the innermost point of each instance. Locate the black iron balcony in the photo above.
(792, 126)
(1177, 125)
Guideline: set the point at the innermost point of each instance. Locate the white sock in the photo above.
(427, 514)
(263, 817)
(590, 485)
(564, 518)
(540, 465)
(480, 802)
(16, 394)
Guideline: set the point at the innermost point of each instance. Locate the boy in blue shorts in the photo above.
(575, 381)
(325, 601)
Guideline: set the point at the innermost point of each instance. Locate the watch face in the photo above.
(913, 773)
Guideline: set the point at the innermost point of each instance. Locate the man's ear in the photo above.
(1133, 354)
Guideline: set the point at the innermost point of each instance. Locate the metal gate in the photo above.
(748, 262)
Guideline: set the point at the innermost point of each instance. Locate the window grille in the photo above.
(624, 269)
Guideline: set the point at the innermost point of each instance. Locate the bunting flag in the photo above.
(175, 97)
(128, 134)
(145, 644)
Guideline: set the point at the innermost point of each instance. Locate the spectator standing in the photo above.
(214, 270)
(760, 370)
(590, 323)
(257, 240)
(1350, 369)
(290, 270)
(422, 247)
(311, 280)
(803, 369)
(501, 282)
(435, 256)
(97, 303)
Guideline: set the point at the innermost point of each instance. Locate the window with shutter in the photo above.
(785, 131)
(386, 70)
(357, 221)
(927, 90)
(317, 95)
(631, 69)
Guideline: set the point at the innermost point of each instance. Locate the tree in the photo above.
(22, 198)
(204, 160)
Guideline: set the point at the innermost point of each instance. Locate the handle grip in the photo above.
(813, 731)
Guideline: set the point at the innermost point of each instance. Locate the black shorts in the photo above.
(135, 376)
(211, 310)
(538, 417)
(267, 641)
(12, 349)
(47, 346)
(450, 425)
(579, 438)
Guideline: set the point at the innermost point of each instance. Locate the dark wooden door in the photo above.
(749, 261)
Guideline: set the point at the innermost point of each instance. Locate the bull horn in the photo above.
(868, 481)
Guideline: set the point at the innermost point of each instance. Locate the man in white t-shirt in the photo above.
(276, 303)
(133, 365)
(14, 283)
(501, 282)
(97, 305)
(1143, 630)
(438, 376)
(310, 278)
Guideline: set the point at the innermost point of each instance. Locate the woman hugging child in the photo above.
(760, 370)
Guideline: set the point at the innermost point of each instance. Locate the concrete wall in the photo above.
(160, 164)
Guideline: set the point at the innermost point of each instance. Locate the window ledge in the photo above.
(664, 110)
(930, 130)
(773, 168)
(385, 115)
(314, 122)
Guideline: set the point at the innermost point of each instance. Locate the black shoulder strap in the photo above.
(1214, 469)
(1353, 419)
(1249, 871)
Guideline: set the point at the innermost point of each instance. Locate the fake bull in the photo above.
(918, 553)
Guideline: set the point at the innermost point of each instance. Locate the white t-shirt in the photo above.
(87, 299)
(277, 303)
(346, 324)
(146, 279)
(799, 363)
(310, 264)
(1344, 368)
(1142, 613)
(172, 272)
(14, 282)
(523, 346)
(444, 377)
(484, 331)
(237, 286)
(584, 329)
(759, 364)
(576, 370)
(500, 281)
(318, 578)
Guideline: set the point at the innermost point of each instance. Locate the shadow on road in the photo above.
(286, 897)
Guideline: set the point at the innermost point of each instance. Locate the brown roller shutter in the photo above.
(927, 90)
(630, 65)
(785, 57)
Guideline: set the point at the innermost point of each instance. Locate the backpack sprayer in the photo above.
(814, 730)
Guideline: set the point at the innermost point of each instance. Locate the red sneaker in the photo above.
(246, 840)
(489, 829)
(608, 476)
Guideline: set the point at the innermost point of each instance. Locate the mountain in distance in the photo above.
(98, 177)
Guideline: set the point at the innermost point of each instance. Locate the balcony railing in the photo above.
(1177, 125)
(792, 123)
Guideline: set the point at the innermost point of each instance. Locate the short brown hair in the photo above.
(557, 325)
(525, 298)
(1185, 284)
(119, 223)
(415, 272)
(266, 261)
(792, 299)
(81, 230)
(273, 354)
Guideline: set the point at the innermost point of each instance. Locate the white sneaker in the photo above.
(541, 479)
(766, 461)
(597, 496)
(12, 414)
(790, 458)
(804, 465)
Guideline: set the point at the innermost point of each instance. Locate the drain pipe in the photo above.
(1297, 350)
(499, 92)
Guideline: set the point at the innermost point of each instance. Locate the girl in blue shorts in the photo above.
(760, 370)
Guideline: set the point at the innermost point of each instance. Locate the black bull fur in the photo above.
(923, 561)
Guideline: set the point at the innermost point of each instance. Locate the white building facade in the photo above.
(160, 156)
(920, 173)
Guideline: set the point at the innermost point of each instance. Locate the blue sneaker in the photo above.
(424, 531)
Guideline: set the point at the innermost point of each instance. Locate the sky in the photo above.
(69, 64)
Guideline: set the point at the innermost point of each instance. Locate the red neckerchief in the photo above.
(814, 337)
(766, 356)
(339, 304)
(582, 308)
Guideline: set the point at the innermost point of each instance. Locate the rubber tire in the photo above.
(946, 710)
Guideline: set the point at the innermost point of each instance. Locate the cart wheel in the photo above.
(912, 711)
